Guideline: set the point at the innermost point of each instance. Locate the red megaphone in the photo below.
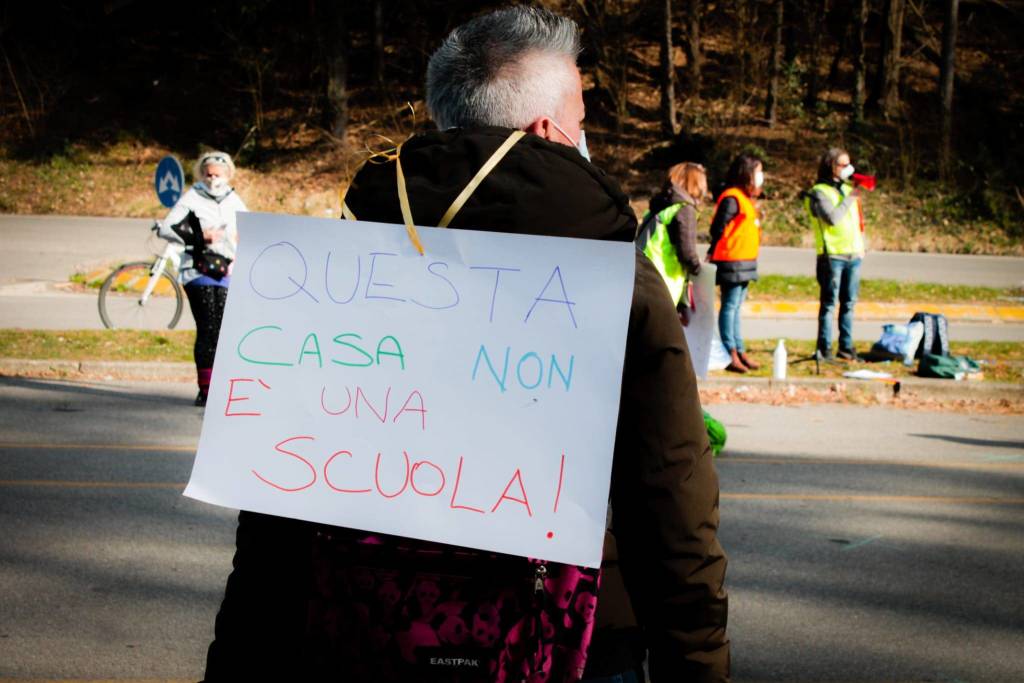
(865, 181)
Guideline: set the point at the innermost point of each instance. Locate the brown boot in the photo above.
(751, 365)
(735, 364)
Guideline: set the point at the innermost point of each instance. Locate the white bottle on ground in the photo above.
(779, 361)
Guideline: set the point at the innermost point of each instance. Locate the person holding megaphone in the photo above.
(834, 207)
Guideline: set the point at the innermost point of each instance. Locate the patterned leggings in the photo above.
(207, 304)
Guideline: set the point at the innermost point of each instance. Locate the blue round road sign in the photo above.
(169, 181)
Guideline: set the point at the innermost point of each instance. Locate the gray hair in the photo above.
(213, 157)
(502, 69)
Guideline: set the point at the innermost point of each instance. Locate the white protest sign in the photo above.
(703, 321)
(468, 396)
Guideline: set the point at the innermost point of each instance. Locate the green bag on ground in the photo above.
(946, 367)
(716, 433)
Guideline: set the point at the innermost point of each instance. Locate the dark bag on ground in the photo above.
(946, 367)
(898, 342)
(936, 334)
(209, 263)
(386, 608)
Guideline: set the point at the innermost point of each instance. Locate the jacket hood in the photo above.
(538, 188)
(667, 197)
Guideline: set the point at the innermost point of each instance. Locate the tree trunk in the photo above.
(791, 33)
(946, 86)
(859, 63)
(842, 42)
(668, 75)
(816, 13)
(336, 63)
(607, 29)
(889, 70)
(744, 21)
(694, 55)
(772, 103)
(378, 43)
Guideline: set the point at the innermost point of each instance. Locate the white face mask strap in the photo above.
(564, 134)
(581, 145)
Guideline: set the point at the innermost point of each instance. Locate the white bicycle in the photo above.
(144, 294)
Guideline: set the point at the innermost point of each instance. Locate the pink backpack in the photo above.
(386, 608)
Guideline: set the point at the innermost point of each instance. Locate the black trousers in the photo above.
(207, 304)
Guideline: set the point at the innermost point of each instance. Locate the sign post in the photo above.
(169, 181)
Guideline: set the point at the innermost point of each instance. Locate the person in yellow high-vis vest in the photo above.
(834, 208)
(668, 233)
(735, 242)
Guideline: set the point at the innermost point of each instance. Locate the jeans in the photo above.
(733, 296)
(837, 278)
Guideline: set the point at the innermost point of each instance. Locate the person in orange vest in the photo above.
(735, 240)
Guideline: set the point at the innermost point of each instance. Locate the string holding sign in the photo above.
(457, 203)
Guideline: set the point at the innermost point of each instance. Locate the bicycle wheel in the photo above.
(121, 305)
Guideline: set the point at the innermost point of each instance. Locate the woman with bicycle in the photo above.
(204, 220)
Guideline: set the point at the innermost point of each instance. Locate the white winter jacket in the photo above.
(213, 213)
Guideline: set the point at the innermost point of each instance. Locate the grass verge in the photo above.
(102, 345)
(800, 288)
(1002, 361)
(805, 288)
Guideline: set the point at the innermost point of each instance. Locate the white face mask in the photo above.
(846, 172)
(580, 146)
(216, 186)
(758, 178)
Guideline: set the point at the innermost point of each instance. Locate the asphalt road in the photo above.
(41, 252)
(49, 248)
(890, 550)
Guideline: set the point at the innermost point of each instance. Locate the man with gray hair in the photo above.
(510, 156)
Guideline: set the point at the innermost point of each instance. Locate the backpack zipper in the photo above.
(539, 574)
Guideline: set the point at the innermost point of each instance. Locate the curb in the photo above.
(916, 386)
(185, 372)
(86, 369)
(890, 312)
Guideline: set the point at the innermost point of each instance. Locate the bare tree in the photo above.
(669, 124)
(694, 55)
(946, 77)
(607, 28)
(334, 30)
(17, 90)
(859, 63)
(816, 14)
(378, 43)
(744, 24)
(888, 90)
(771, 105)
